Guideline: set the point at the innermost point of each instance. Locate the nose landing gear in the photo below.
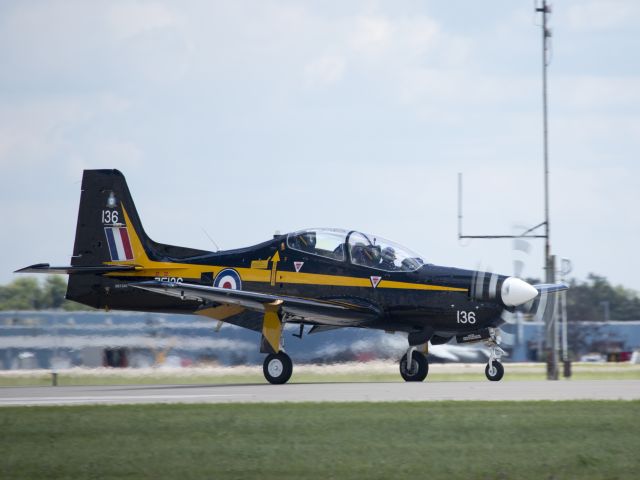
(494, 369)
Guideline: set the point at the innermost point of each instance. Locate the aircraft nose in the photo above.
(516, 292)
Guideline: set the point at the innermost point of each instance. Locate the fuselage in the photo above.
(449, 300)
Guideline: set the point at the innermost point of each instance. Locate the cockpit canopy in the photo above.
(360, 248)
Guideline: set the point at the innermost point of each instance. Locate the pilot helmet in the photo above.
(308, 240)
(388, 254)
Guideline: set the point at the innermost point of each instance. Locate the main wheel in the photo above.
(277, 368)
(418, 370)
(495, 372)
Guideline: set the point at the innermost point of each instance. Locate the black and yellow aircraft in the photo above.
(322, 278)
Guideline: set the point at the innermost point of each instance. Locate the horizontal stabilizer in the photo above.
(551, 287)
(46, 268)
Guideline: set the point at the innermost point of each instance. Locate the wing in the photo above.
(322, 312)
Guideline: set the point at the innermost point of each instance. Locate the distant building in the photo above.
(59, 339)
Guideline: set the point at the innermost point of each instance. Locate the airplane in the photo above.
(321, 278)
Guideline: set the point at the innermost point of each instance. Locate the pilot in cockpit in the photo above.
(388, 258)
(306, 241)
(368, 255)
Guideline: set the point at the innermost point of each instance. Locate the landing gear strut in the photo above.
(494, 369)
(414, 366)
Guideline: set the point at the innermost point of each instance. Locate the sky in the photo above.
(234, 120)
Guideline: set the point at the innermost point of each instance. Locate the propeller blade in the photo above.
(507, 338)
(551, 287)
(545, 314)
(518, 268)
(521, 248)
(521, 245)
(508, 317)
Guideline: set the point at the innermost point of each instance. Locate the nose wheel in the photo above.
(494, 369)
(277, 368)
(414, 366)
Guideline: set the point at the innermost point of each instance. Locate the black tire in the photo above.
(497, 374)
(277, 368)
(419, 370)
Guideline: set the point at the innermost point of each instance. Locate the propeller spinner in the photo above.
(516, 291)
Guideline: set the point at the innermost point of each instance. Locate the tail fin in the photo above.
(102, 233)
(109, 227)
(109, 234)
(109, 240)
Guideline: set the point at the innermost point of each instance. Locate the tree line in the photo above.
(593, 299)
(29, 293)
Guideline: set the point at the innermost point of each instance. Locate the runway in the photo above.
(322, 392)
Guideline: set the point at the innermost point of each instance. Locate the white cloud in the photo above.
(128, 19)
(105, 153)
(326, 70)
(79, 45)
(404, 41)
(459, 88)
(371, 35)
(589, 92)
(597, 15)
(34, 133)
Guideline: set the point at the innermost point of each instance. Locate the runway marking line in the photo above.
(73, 399)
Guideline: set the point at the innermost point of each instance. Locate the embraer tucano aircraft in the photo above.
(322, 278)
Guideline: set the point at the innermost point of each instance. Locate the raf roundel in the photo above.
(228, 278)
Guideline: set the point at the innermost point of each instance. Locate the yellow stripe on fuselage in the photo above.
(320, 279)
(417, 286)
(146, 267)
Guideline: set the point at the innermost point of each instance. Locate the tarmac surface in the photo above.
(322, 392)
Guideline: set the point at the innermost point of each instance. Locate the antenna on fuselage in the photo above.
(211, 239)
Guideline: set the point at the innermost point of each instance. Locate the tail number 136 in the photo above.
(465, 317)
(109, 217)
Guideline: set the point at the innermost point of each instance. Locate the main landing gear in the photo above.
(277, 368)
(494, 369)
(414, 366)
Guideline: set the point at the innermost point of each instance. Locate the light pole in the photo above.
(552, 340)
(549, 264)
(546, 34)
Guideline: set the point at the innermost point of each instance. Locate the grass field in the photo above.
(448, 440)
(355, 372)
